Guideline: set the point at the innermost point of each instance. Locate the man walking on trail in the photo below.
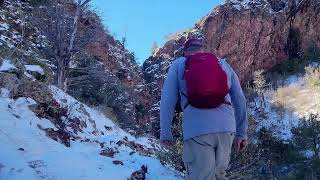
(214, 111)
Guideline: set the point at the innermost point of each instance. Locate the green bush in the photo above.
(306, 137)
(290, 67)
(313, 52)
(298, 64)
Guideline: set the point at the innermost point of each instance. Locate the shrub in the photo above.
(297, 64)
(312, 76)
(307, 135)
(307, 138)
(290, 66)
(173, 157)
(264, 159)
(313, 51)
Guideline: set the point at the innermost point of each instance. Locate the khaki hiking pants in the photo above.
(207, 157)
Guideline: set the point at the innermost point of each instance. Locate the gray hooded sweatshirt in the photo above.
(197, 122)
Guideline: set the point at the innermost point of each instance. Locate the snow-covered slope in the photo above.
(28, 153)
(286, 105)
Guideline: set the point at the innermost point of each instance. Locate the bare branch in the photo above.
(85, 2)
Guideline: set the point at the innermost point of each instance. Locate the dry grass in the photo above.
(285, 94)
(312, 76)
(301, 99)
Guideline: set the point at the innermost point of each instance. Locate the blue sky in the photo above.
(146, 21)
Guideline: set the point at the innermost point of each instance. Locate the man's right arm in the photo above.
(169, 98)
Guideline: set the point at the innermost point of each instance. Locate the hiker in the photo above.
(214, 111)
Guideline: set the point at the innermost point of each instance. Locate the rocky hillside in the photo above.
(51, 135)
(252, 35)
(113, 80)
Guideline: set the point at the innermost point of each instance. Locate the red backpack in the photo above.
(206, 81)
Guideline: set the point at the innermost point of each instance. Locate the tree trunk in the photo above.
(61, 78)
(62, 73)
(65, 50)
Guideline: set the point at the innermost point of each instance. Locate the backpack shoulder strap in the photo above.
(186, 66)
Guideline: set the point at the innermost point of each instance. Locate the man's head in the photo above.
(193, 46)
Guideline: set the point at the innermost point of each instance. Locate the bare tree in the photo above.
(65, 53)
(61, 30)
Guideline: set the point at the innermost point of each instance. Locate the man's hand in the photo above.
(166, 143)
(240, 144)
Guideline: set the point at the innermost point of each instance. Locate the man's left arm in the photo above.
(239, 104)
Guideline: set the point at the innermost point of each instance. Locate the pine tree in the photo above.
(154, 47)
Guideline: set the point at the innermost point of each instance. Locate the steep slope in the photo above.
(115, 79)
(252, 35)
(27, 153)
(50, 135)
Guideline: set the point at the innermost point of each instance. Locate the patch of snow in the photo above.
(4, 26)
(27, 153)
(294, 81)
(152, 68)
(34, 68)
(244, 4)
(5, 93)
(7, 41)
(281, 120)
(19, 21)
(16, 37)
(280, 123)
(7, 66)
(30, 76)
(308, 154)
(45, 123)
(315, 65)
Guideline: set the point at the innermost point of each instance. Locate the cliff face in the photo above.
(252, 35)
(133, 102)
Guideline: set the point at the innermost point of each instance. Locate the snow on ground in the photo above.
(7, 41)
(4, 26)
(243, 4)
(279, 122)
(34, 68)
(7, 65)
(30, 76)
(26, 152)
(298, 101)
